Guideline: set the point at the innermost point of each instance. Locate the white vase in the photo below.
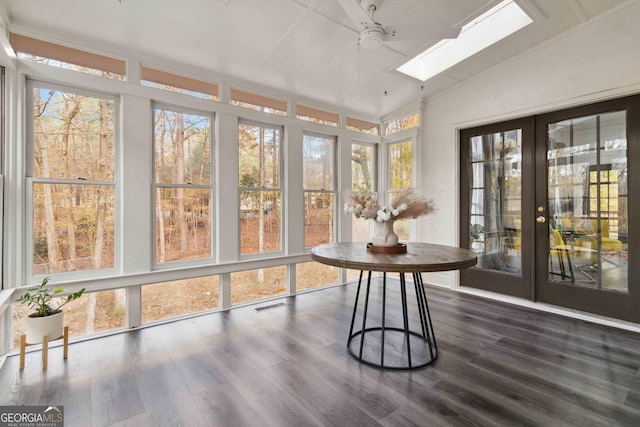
(38, 327)
(383, 234)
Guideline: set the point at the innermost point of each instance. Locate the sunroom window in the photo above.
(183, 185)
(73, 179)
(400, 166)
(318, 182)
(260, 188)
(364, 160)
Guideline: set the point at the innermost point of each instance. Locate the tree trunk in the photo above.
(98, 244)
(89, 323)
(361, 157)
(160, 167)
(119, 302)
(182, 220)
(71, 220)
(71, 227)
(160, 256)
(53, 255)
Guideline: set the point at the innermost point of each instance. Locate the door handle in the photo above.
(541, 219)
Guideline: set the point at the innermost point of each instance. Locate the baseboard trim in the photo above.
(576, 314)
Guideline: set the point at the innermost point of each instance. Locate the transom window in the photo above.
(362, 126)
(176, 83)
(68, 58)
(316, 115)
(254, 101)
(403, 123)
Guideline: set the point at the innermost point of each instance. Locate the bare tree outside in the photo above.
(182, 174)
(260, 192)
(401, 177)
(363, 180)
(319, 189)
(73, 190)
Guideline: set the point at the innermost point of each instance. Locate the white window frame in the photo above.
(375, 181)
(3, 138)
(30, 181)
(409, 135)
(334, 180)
(211, 186)
(280, 188)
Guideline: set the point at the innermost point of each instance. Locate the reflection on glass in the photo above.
(495, 200)
(587, 200)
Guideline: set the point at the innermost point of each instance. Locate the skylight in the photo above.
(492, 26)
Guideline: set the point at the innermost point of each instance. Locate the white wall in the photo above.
(596, 61)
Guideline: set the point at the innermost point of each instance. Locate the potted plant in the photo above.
(474, 236)
(47, 315)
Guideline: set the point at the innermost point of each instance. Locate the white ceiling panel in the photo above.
(304, 47)
(307, 51)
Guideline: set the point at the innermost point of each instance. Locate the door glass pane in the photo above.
(587, 201)
(495, 200)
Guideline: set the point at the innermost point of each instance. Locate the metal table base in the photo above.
(419, 352)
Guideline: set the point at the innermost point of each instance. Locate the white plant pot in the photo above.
(383, 234)
(38, 327)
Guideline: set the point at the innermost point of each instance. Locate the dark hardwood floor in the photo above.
(288, 365)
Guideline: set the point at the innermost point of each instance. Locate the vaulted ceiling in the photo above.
(307, 49)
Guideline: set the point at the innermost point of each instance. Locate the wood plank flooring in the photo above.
(498, 365)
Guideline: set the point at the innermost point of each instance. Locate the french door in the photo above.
(497, 206)
(549, 204)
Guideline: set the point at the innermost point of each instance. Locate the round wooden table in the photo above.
(410, 349)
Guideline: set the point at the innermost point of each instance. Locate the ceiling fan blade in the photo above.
(421, 32)
(356, 13)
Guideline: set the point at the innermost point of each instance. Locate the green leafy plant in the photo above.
(44, 300)
(475, 230)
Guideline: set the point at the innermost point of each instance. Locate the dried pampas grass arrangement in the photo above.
(406, 204)
(413, 203)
